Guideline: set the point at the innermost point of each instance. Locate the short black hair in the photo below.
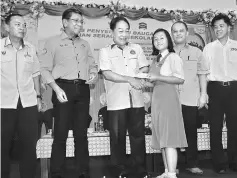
(9, 17)
(68, 13)
(170, 43)
(181, 22)
(117, 19)
(221, 16)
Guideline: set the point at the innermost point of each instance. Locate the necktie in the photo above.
(158, 57)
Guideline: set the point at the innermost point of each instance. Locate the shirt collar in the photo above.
(113, 45)
(65, 36)
(228, 42)
(8, 42)
(186, 46)
(164, 53)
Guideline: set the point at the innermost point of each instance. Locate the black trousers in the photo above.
(120, 121)
(223, 100)
(75, 111)
(24, 122)
(190, 125)
(47, 119)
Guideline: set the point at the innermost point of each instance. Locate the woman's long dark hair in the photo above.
(170, 43)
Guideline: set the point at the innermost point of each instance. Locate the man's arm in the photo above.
(202, 71)
(93, 67)
(203, 83)
(36, 78)
(37, 84)
(46, 59)
(167, 79)
(93, 63)
(106, 68)
(36, 81)
(203, 99)
(114, 77)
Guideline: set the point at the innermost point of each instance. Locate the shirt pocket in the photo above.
(132, 62)
(81, 53)
(190, 74)
(6, 61)
(116, 64)
(233, 56)
(191, 65)
(28, 64)
(64, 54)
(5, 57)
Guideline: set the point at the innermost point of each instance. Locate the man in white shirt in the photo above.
(20, 96)
(119, 63)
(193, 93)
(221, 56)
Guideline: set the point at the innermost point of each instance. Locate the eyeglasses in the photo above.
(77, 21)
(20, 25)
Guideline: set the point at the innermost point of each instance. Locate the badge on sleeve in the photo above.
(43, 51)
(62, 45)
(132, 52)
(3, 52)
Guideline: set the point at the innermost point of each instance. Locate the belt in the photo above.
(75, 81)
(224, 83)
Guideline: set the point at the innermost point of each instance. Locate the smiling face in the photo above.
(179, 33)
(221, 29)
(74, 24)
(160, 41)
(16, 27)
(121, 33)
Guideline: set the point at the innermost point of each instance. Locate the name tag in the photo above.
(233, 49)
(62, 45)
(190, 58)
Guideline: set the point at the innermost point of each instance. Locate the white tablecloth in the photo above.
(99, 144)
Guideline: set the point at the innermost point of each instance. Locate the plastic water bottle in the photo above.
(101, 123)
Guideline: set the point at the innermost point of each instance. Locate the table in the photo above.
(99, 145)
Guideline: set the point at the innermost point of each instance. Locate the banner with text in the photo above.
(96, 31)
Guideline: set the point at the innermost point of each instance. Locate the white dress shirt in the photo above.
(222, 60)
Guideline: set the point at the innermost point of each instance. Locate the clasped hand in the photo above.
(143, 83)
(152, 77)
(136, 83)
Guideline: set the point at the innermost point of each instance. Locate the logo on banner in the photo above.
(142, 25)
(132, 52)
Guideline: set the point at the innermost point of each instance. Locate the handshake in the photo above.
(142, 80)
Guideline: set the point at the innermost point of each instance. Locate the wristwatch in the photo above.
(39, 96)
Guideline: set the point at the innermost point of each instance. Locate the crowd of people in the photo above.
(184, 79)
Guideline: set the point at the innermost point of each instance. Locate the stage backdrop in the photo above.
(96, 31)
